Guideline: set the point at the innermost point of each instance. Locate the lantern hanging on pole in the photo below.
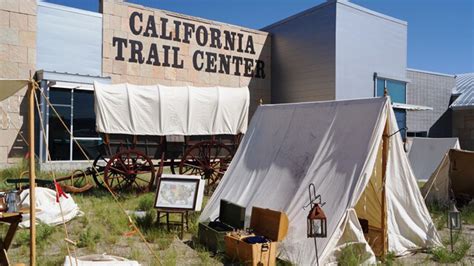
(317, 222)
(454, 222)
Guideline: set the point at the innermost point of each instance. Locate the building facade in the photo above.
(334, 51)
(433, 90)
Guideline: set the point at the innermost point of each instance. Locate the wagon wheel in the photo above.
(129, 170)
(208, 159)
(98, 170)
(78, 178)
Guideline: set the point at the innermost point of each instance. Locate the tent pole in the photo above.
(385, 147)
(31, 140)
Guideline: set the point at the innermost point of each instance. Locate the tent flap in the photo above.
(8, 87)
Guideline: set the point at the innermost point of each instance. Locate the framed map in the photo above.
(177, 193)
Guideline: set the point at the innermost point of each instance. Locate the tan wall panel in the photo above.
(116, 23)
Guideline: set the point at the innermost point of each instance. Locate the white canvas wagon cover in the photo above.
(164, 110)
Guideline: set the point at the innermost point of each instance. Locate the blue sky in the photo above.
(440, 32)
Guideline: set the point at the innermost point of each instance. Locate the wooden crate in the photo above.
(231, 216)
(264, 222)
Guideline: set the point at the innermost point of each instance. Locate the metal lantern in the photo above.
(317, 222)
(454, 218)
(454, 222)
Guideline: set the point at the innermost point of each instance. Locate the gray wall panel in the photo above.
(303, 52)
(433, 90)
(69, 40)
(367, 42)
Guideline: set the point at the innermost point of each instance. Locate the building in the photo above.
(463, 110)
(434, 90)
(334, 51)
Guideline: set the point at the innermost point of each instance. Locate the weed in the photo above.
(467, 213)
(350, 255)
(43, 235)
(444, 255)
(146, 202)
(88, 239)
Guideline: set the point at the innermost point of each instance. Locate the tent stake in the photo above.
(31, 136)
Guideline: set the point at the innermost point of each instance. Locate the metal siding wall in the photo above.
(303, 54)
(366, 43)
(434, 91)
(69, 40)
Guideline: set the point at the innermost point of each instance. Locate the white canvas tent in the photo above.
(452, 179)
(426, 155)
(163, 110)
(344, 148)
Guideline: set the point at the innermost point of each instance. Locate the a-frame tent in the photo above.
(348, 149)
(452, 180)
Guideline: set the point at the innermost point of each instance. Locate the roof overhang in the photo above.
(411, 107)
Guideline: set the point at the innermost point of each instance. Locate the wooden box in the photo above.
(273, 225)
(211, 234)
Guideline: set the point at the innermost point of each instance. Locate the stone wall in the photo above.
(463, 128)
(17, 59)
(116, 24)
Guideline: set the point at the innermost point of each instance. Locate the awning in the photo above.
(411, 107)
(8, 87)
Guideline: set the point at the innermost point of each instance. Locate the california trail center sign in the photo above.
(235, 56)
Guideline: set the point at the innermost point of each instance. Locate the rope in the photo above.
(114, 196)
(55, 187)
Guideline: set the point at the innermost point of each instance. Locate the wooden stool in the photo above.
(181, 223)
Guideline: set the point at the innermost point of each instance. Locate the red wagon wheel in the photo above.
(129, 170)
(209, 159)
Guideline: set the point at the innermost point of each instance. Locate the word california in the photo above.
(184, 32)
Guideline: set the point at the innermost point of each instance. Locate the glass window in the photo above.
(76, 109)
(396, 89)
(89, 146)
(59, 140)
(401, 116)
(60, 96)
(84, 116)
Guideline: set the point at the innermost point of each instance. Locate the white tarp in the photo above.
(334, 145)
(48, 211)
(426, 154)
(162, 110)
(8, 87)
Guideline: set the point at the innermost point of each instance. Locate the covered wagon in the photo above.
(191, 130)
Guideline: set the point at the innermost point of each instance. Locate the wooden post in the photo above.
(385, 147)
(31, 140)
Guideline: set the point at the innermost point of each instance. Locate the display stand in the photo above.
(13, 219)
(181, 223)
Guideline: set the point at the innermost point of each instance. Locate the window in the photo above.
(397, 92)
(396, 89)
(76, 109)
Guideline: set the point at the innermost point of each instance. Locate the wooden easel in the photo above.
(181, 223)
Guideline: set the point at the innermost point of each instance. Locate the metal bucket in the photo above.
(13, 201)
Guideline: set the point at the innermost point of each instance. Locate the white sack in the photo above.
(99, 260)
(333, 145)
(48, 211)
(162, 110)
